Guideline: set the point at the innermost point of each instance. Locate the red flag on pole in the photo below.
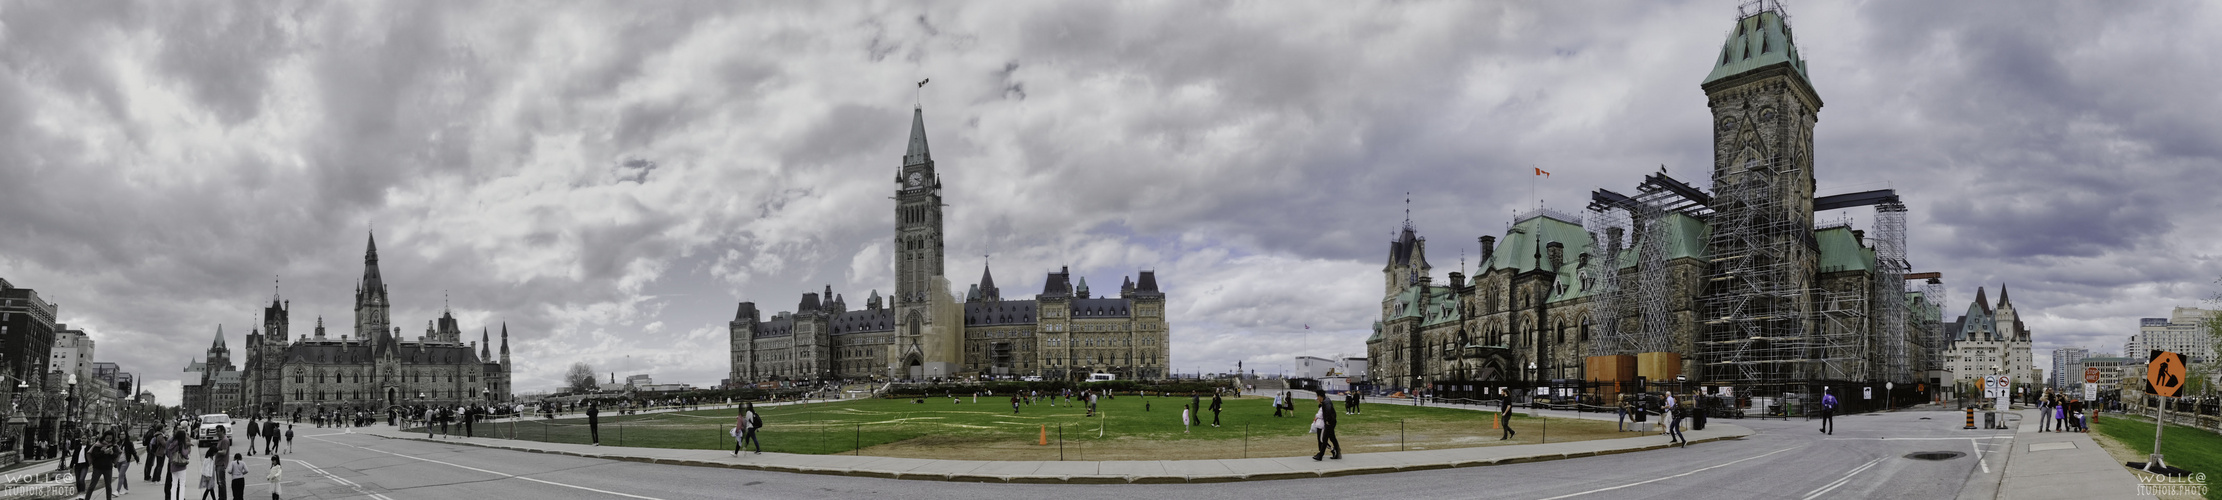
(1542, 172)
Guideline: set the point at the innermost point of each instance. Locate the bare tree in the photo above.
(579, 379)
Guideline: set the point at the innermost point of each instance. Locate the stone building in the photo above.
(1664, 291)
(1991, 340)
(372, 368)
(923, 331)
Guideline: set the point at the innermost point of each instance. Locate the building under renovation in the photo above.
(1733, 290)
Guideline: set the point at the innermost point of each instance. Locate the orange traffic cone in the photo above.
(1045, 435)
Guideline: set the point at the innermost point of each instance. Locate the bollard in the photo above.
(1970, 419)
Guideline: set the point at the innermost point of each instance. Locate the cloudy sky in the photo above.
(610, 179)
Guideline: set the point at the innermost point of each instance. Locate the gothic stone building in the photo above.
(1530, 311)
(371, 369)
(923, 331)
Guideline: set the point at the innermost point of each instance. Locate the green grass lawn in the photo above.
(2191, 449)
(1131, 427)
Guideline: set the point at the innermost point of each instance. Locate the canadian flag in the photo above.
(1542, 172)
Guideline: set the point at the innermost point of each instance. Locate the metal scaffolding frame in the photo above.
(1650, 294)
(1890, 290)
(1756, 326)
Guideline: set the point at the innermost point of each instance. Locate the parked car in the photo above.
(212, 426)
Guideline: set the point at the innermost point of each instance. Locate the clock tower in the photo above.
(918, 258)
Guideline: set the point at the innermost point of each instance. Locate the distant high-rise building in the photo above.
(2067, 364)
(2182, 332)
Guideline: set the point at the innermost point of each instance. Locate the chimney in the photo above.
(1557, 253)
(1488, 250)
(1457, 279)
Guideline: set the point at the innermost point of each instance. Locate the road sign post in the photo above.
(2164, 380)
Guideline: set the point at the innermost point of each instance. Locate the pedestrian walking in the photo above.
(754, 421)
(102, 456)
(1504, 414)
(1215, 410)
(222, 455)
(2044, 412)
(1184, 424)
(594, 423)
(1674, 427)
(1197, 403)
(254, 431)
(1014, 403)
(276, 476)
(208, 481)
(1828, 412)
(1325, 422)
(158, 447)
(270, 436)
(237, 471)
(1276, 405)
(1620, 414)
(125, 455)
(288, 438)
(79, 460)
(180, 453)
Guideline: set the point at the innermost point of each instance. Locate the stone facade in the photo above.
(1991, 341)
(923, 331)
(1531, 312)
(370, 369)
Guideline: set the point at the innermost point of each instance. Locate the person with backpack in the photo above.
(751, 421)
(1674, 427)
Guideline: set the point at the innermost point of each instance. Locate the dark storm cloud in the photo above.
(160, 163)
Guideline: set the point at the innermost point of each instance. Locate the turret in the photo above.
(505, 347)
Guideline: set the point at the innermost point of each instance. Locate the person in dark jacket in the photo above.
(270, 436)
(156, 445)
(1195, 402)
(125, 455)
(1504, 414)
(254, 432)
(594, 423)
(101, 455)
(1215, 402)
(1327, 430)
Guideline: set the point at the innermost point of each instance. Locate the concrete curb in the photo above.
(923, 471)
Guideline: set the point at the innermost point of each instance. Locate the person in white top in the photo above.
(1184, 409)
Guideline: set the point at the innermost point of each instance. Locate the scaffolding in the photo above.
(1605, 302)
(1755, 322)
(1647, 294)
(1890, 289)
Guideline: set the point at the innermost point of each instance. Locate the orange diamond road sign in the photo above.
(2091, 375)
(2164, 375)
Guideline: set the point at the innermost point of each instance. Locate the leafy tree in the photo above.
(579, 379)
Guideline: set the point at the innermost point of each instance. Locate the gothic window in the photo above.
(1585, 329)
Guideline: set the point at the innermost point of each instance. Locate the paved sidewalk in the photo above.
(2063, 465)
(1105, 472)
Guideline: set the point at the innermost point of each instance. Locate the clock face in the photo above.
(916, 178)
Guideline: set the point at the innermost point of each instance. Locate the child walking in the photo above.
(1184, 421)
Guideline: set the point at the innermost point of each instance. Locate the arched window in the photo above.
(1585, 329)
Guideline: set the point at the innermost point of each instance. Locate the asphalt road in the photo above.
(1786, 459)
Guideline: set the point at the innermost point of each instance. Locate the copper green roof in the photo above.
(1686, 237)
(1759, 41)
(1521, 246)
(1840, 251)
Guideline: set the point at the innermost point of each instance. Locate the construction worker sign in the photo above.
(2164, 375)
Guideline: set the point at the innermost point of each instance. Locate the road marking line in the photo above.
(1979, 460)
(497, 473)
(1601, 490)
(1817, 492)
(1916, 439)
(343, 481)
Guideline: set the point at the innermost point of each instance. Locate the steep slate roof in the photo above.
(865, 321)
(1759, 41)
(776, 328)
(1101, 308)
(1406, 249)
(1840, 251)
(1442, 306)
(917, 153)
(1008, 312)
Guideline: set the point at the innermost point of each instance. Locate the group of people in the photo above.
(1637, 409)
(2059, 413)
(103, 461)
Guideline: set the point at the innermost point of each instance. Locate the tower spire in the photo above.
(917, 154)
